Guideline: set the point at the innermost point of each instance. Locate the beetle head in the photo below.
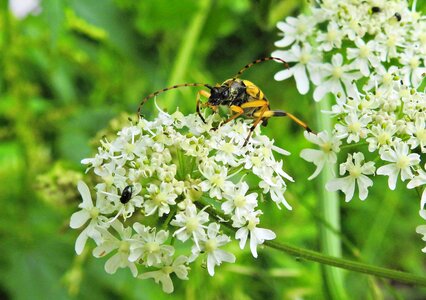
(219, 95)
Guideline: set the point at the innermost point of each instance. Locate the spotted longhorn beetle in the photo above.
(242, 97)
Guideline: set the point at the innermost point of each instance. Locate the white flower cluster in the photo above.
(160, 182)
(342, 41)
(370, 55)
(388, 121)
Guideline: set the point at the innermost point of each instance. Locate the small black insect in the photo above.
(398, 16)
(376, 9)
(126, 194)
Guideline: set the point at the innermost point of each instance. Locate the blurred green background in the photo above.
(68, 71)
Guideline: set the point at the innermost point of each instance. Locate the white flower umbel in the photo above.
(160, 198)
(391, 122)
(210, 246)
(337, 78)
(370, 62)
(326, 155)
(169, 266)
(351, 40)
(148, 245)
(401, 161)
(237, 202)
(247, 225)
(306, 61)
(190, 223)
(122, 245)
(165, 183)
(88, 212)
(357, 170)
(354, 127)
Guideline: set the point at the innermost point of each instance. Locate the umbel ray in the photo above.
(242, 97)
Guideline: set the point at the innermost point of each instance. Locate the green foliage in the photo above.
(65, 73)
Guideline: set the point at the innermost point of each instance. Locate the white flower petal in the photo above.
(242, 235)
(302, 81)
(85, 194)
(320, 92)
(79, 218)
(81, 242)
(112, 264)
(283, 74)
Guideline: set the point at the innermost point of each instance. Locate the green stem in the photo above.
(328, 260)
(399, 276)
(328, 203)
(187, 47)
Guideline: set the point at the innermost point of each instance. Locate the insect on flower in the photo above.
(242, 97)
(376, 9)
(126, 194)
(398, 17)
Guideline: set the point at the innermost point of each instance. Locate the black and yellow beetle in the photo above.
(242, 97)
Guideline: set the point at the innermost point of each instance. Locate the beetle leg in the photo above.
(280, 113)
(256, 103)
(201, 104)
(260, 116)
(237, 110)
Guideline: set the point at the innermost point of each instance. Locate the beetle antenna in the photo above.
(167, 89)
(248, 66)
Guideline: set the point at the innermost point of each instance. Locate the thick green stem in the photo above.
(348, 264)
(328, 204)
(328, 260)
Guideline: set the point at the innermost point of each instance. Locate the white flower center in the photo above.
(300, 28)
(414, 63)
(355, 171)
(422, 38)
(159, 198)
(404, 93)
(354, 127)
(402, 162)
(326, 147)
(94, 212)
(387, 79)
(331, 35)
(130, 148)
(304, 58)
(383, 138)
(217, 180)
(240, 201)
(256, 161)
(109, 179)
(421, 135)
(152, 247)
(364, 51)
(195, 193)
(337, 72)
(228, 148)
(391, 41)
(192, 224)
(124, 247)
(167, 270)
(252, 224)
(353, 25)
(211, 245)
